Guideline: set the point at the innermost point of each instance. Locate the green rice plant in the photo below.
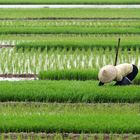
(70, 23)
(69, 2)
(137, 79)
(69, 30)
(15, 39)
(67, 91)
(71, 118)
(76, 44)
(74, 41)
(69, 74)
(33, 61)
(68, 13)
(75, 74)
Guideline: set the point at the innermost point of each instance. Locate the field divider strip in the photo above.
(69, 18)
(113, 6)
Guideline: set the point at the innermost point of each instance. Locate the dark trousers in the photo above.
(131, 76)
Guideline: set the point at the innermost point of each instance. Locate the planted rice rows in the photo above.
(70, 41)
(69, 74)
(68, 91)
(69, 2)
(77, 43)
(72, 27)
(75, 74)
(69, 30)
(43, 37)
(69, 13)
(85, 108)
(68, 118)
(82, 23)
(35, 60)
(33, 57)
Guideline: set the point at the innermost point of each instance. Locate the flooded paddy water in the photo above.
(70, 6)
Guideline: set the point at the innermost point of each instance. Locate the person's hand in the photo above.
(101, 84)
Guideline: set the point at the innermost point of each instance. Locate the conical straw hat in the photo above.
(107, 74)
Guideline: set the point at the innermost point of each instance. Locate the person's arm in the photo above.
(101, 84)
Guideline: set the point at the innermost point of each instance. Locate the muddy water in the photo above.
(16, 79)
(69, 6)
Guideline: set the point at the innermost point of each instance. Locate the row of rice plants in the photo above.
(34, 107)
(69, 30)
(45, 37)
(77, 120)
(72, 74)
(77, 43)
(67, 91)
(75, 74)
(69, 2)
(34, 61)
(69, 13)
(70, 118)
(82, 23)
(69, 41)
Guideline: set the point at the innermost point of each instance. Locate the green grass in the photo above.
(67, 91)
(77, 118)
(69, 2)
(69, 13)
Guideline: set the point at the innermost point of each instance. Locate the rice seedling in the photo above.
(67, 91)
(81, 23)
(68, 13)
(69, 30)
(75, 74)
(69, 27)
(35, 60)
(32, 37)
(65, 118)
(72, 74)
(78, 43)
(85, 108)
(68, 41)
(69, 2)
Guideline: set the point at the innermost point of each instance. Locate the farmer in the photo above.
(123, 74)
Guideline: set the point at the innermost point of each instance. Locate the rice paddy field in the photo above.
(59, 52)
(71, 13)
(69, 2)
